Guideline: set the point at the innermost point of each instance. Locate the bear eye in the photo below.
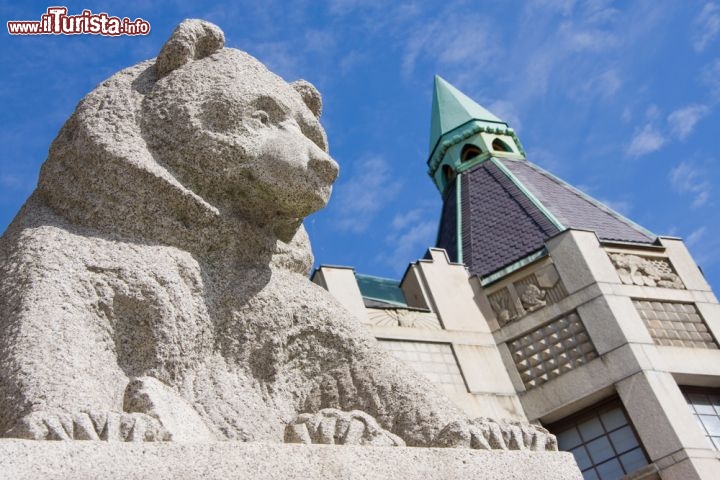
(262, 116)
(269, 107)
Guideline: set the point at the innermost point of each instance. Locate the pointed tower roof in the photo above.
(451, 109)
(456, 117)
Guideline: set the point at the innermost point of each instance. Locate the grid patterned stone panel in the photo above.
(675, 324)
(551, 350)
(436, 361)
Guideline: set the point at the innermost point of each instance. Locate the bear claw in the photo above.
(110, 426)
(335, 427)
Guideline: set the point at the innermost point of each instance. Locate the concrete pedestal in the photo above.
(77, 460)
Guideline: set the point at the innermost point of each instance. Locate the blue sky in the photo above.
(621, 99)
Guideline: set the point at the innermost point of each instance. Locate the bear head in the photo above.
(202, 148)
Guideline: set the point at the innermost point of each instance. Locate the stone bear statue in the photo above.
(154, 286)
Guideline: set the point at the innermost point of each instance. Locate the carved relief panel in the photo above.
(645, 270)
(401, 317)
(528, 294)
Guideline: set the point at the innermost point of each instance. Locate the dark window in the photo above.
(448, 173)
(705, 406)
(469, 152)
(602, 440)
(500, 146)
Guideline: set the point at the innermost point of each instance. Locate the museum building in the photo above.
(539, 303)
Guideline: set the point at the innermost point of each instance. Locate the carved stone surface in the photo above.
(530, 293)
(675, 324)
(645, 271)
(551, 350)
(400, 317)
(164, 242)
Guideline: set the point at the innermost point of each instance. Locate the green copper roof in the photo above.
(383, 289)
(451, 108)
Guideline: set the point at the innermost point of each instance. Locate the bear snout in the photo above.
(325, 167)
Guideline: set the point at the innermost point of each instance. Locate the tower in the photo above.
(541, 303)
(609, 332)
(498, 208)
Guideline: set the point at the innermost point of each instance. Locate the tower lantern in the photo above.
(463, 134)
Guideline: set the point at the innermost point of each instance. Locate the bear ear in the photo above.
(310, 96)
(191, 40)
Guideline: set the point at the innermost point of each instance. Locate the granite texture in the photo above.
(20, 460)
(161, 266)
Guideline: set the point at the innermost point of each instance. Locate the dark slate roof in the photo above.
(447, 231)
(574, 209)
(500, 225)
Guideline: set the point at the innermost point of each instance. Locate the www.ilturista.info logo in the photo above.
(57, 22)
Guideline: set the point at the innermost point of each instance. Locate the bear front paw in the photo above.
(335, 427)
(108, 426)
(487, 434)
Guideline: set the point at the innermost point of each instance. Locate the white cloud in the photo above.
(410, 234)
(408, 243)
(319, 41)
(279, 57)
(688, 179)
(708, 22)
(563, 6)
(646, 141)
(652, 112)
(626, 115)
(605, 84)
(358, 199)
(695, 235)
(351, 60)
(402, 220)
(587, 40)
(506, 111)
(468, 45)
(683, 120)
(711, 77)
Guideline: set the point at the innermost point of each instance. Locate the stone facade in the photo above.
(606, 332)
(448, 341)
(635, 327)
